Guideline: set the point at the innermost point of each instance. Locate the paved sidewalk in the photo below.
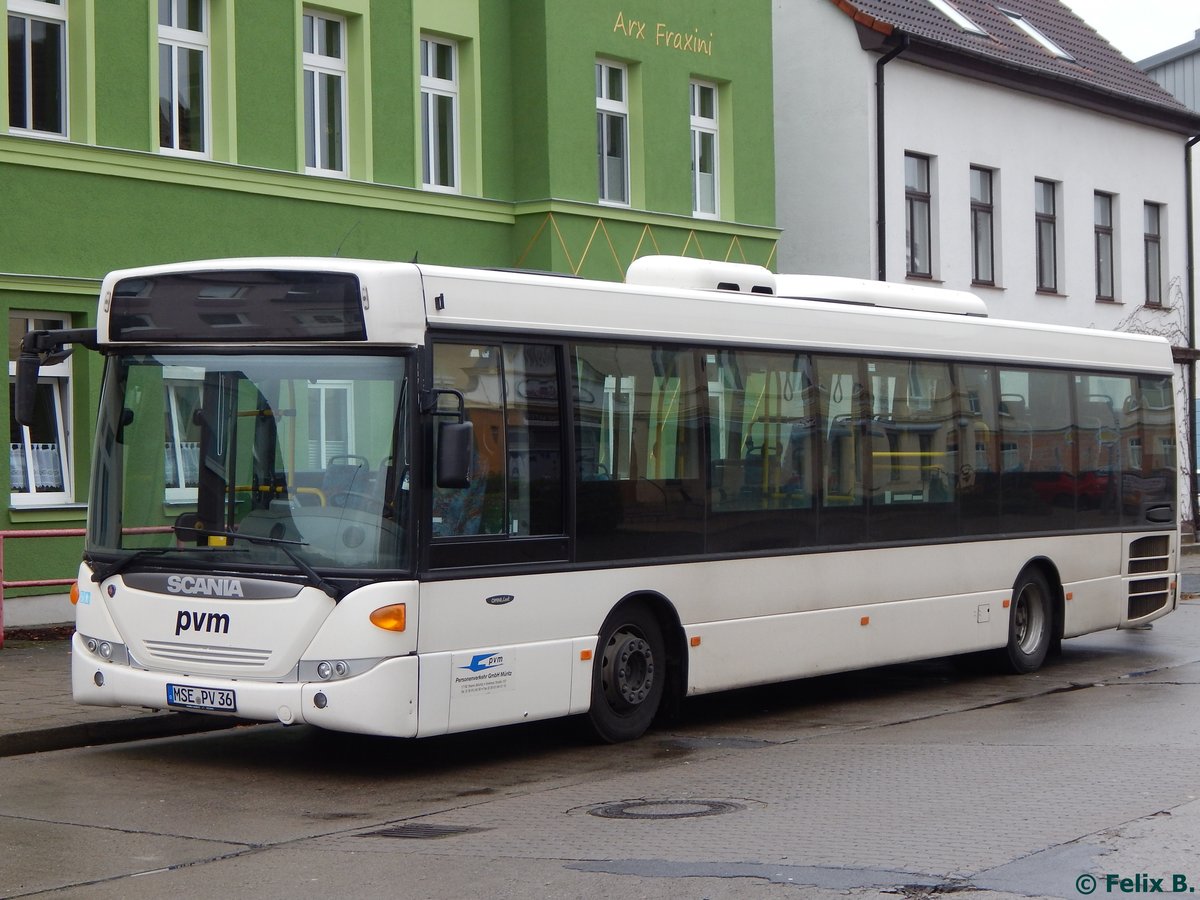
(37, 712)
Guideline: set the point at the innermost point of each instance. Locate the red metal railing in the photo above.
(49, 582)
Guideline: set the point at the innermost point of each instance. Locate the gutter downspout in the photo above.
(880, 186)
(1190, 216)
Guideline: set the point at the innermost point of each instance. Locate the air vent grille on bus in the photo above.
(240, 657)
(1148, 595)
(1150, 554)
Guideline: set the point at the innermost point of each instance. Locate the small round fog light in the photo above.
(98, 678)
(320, 701)
(92, 644)
(340, 669)
(106, 650)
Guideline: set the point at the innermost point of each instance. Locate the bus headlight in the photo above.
(109, 651)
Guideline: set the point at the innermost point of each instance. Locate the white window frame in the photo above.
(319, 65)
(319, 454)
(175, 379)
(58, 375)
(46, 12)
(175, 39)
(705, 126)
(609, 108)
(432, 88)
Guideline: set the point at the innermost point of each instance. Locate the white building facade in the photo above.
(946, 143)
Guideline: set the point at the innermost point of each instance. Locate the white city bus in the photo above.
(409, 500)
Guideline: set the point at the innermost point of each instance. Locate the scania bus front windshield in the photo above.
(272, 462)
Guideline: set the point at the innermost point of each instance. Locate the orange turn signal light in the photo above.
(390, 618)
(585, 655)
(75, 593)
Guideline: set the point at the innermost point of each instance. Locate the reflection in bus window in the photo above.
(638, 451)
(510, 393)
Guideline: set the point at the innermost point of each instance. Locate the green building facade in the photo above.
(564, 136)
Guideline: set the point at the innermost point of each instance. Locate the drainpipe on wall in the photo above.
(880, 186)
(1190, 216)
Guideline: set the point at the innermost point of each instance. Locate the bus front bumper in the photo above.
(381, 701)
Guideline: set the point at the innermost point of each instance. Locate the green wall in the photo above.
(106, 198)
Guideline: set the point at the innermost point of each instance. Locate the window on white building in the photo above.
(705, 171)
(918, 224)
(439, 114)
(1152, 242)
(324, 94)
(39, 456)
(1103, 205)
(183, 54)
(37, 67)
(983, 247)
(1046, 223)
(612, 131)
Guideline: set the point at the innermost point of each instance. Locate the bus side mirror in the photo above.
(40, 348)
(456, 440)
(28, 366)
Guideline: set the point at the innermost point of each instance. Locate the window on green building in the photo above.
(324, 94)
(39, 455)
(183, 53)
(439, 114)
(612, 131)
(705, 190)
(37, 66)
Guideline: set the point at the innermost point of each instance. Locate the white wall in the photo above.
(824, 142)
(825, 180)
(961, 122)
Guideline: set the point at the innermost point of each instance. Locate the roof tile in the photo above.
(1097, 64)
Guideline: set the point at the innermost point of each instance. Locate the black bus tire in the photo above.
(628, 675)
(1030, 623)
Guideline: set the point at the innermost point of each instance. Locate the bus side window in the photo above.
(474, 370)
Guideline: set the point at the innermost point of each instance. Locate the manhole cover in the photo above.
(664, 809)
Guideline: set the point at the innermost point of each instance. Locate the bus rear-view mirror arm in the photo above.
(42, 348)
(456, 440)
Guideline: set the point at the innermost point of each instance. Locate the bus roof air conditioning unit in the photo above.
(700, 275)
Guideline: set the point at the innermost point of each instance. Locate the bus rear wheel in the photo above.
(1030, 623)
(628, 675)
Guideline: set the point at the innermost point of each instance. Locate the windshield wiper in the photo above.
(314, 577)
(102, 572)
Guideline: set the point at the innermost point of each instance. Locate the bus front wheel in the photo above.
(628, 675)
(1030, 623)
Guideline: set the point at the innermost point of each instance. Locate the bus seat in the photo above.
(344, 473)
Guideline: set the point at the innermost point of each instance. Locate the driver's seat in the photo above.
(348, 474)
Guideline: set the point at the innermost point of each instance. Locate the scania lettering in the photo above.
(218, 587)
(409, 500)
